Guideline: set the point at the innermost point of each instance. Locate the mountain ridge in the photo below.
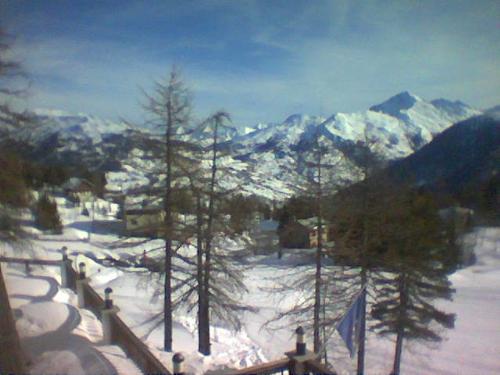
(268, 161)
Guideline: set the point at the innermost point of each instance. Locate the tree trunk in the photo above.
(208, 239)
(362, 329)
(167, 308)
(397, 353)
(400, 335)
(203, 324)
(317, 297)
(317, 281)
(363, 262)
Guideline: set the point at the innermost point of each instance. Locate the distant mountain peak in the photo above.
(397, 103)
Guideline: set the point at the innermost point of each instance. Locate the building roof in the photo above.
(311, 222)
(143, 211)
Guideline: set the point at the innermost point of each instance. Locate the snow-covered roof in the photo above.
(268, 225)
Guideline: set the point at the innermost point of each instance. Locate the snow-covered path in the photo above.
(58, 337)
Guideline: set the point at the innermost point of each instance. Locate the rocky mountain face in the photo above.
(271, 161)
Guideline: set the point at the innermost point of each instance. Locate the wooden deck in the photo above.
(280, 366)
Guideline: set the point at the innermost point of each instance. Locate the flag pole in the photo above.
(350, 325)
(361, 338)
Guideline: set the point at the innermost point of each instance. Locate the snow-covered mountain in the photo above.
(424, 120)
(269, 160)
(391, 130)
(69, 127)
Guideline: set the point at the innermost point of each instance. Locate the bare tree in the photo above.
(314, 308)
(217, 120)
(170, 108)
(215, 294)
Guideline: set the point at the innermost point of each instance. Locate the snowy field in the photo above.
(49, 313)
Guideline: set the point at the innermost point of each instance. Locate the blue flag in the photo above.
(348, 326)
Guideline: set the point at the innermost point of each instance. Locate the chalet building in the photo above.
(78, 187)
(303, 234)
(144, 221)
(294, 236)
(264, 233)
(312, 231)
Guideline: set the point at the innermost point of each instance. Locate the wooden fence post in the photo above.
(106, 314)
(300, 345)
(80, 285)
(177, 361)
(300, 355)
(65, 265)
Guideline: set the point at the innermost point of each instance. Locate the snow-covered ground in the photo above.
(472, 347)
(56, 335)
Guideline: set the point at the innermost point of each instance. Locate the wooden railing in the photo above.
(29, 261)
(122, 335)
(280, 366)
(316, 367)
(284, 366)
(135, 348)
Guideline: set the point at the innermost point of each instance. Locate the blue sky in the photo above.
(259, 60)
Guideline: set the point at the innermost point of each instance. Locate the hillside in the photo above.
(464, 156)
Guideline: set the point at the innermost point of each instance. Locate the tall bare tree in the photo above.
(170, 108)
(215, 280)
(217, 120)
(320, 165)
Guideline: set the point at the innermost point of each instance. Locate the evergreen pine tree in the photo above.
(46, 215)
(413, 258)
